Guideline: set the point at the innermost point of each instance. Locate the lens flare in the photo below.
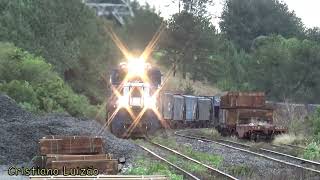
(136, 67)
(123, 101)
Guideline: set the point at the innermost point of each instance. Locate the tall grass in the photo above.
(288, 139)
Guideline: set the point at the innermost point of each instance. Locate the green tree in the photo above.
(196, 7)
(287, 69)
(244, 20)
(313, 34)
(190, 39)
(140, 29)
(67, 34)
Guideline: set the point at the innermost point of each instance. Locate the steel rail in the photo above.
(168, 162)
(277, 153)
(250, 152)
(194, 160)
(294, 146)
(288, 146)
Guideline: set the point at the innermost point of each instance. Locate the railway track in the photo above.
(185, 172)
(286, 146)
(303, 161)
(294, 146)
(279, 157)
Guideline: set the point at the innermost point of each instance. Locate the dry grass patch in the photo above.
(288, 139)
(178, 84)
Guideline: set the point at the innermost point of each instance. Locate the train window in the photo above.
(136, 92)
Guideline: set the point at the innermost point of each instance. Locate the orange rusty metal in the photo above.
(71, 145)
(74, 152)
(246, 114)
(243, 100)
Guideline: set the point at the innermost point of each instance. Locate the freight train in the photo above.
(244, 115)
(137, 107)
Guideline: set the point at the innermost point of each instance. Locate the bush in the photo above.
(315, 122)
(188, 89)
(22, 92)
(36, 87)
(29, 107)
(312, 151)
(56, 95)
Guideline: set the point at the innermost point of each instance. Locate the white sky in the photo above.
(307, 10)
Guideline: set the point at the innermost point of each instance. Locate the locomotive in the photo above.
(132, 108)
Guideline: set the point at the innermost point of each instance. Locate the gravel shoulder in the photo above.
(20, 133)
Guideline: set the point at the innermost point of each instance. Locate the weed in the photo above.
(146, 166)
(241, 170)
(186, 149)
(169, 141)
(188, 166)
(213, 160)
(173, 158)
(196, 168)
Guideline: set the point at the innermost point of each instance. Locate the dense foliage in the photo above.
(286, 69)
(262, 46)
(190, 38)
(66, 33)
(32, 83)
(139, 30)
(244, 20)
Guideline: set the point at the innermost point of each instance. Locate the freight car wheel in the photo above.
(254, 137)
(269, 137)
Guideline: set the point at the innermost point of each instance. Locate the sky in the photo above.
(307, 10)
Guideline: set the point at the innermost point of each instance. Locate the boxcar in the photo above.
(190, 110)
(167, 106)
(205, 112)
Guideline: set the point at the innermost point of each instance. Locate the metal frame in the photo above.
(116, 10)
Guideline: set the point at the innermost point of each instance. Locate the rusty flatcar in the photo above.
(246, 115)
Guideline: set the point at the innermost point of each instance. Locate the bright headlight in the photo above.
(123, 101)
(136, 66)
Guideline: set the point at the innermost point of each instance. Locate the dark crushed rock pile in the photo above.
(20, 132)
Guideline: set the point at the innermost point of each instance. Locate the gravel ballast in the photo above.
(20, 133)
